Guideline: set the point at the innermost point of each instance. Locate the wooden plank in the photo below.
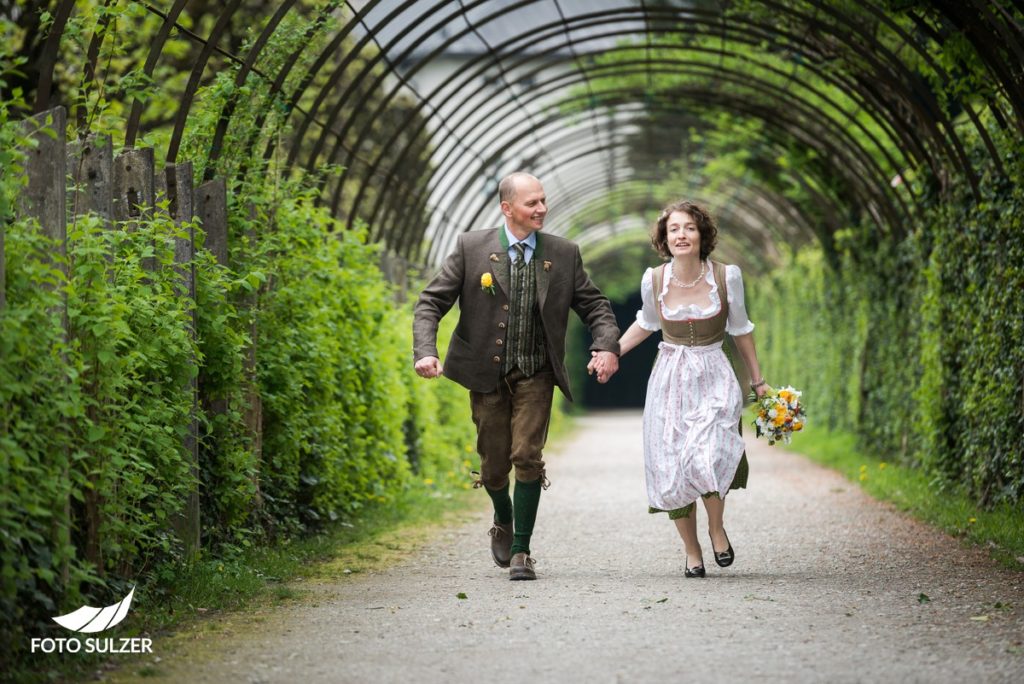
(134, 190)
(211, 206)
(45, 198)
(91, 163)
(175, 183)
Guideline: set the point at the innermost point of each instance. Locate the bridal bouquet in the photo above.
(779, 414)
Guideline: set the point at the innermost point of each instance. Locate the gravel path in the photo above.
(826, 588)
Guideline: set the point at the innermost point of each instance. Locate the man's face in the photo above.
(526, 211)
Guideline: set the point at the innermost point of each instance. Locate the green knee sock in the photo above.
(502, 504)
(527, 499)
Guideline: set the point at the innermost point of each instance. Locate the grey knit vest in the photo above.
(524, 345)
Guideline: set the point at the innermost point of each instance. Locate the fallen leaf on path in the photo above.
(662, 600)
(923, 598)
(461, 595)
(980, 618)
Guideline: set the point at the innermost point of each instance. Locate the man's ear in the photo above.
(506, 208)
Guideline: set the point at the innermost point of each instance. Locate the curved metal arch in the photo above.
(497, 109)
(869, 56)
(739, 193)
(902, 147)
(618, 67)
(368, 67)
(744, 231)
(197, 72)
(364, 130)
(944, 75)
(156, 49)
(243, 74)
(586, 178)
(851, 146)
(476, 214)
(791, 208)
(92, 55)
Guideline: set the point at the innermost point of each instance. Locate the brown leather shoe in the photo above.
(521, 568)
(501, 543)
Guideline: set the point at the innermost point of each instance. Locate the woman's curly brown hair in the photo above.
(705, 224)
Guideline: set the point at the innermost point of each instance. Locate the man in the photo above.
(514, 290)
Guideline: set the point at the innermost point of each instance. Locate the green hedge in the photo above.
(92, 427)
(916, 346)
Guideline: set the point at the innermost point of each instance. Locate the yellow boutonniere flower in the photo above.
(487, 283)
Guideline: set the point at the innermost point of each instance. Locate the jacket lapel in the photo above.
(543, 277)
(502, 272)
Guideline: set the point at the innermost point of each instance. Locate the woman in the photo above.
(692, 444)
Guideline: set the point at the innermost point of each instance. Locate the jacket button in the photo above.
(496, 359)
(501, 325)
(499, 342)
(504, 307)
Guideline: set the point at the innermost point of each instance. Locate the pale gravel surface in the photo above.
(824, 589)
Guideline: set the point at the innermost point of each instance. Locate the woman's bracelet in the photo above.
(759, 383)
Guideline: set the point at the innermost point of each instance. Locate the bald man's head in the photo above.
(508, 188)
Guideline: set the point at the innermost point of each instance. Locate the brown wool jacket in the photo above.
(477, 346)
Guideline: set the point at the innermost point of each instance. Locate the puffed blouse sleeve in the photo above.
(738, 323)
(647, 316)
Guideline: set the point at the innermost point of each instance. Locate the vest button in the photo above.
(504, 307)
(501, 325)
(496, 359)
(499, 342)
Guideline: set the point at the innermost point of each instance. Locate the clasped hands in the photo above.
(604, 363)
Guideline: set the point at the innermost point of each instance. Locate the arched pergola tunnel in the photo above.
(864, 161)
(424, 105)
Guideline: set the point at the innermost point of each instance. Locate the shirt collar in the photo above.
(530, 241)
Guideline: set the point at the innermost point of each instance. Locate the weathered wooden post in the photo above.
(92, 170)
(134, 190)
(176, 184)
(211, 200)
(91, 162)
(45, 198)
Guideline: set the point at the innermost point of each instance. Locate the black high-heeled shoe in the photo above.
(694, 572)
(725, 558)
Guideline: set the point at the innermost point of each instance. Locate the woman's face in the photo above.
(682, 235)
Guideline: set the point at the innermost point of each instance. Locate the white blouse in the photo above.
(737, 323)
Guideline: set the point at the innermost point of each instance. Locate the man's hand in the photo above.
(605, 363)
(429, 367)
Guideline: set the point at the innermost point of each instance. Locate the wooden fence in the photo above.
(67, 180)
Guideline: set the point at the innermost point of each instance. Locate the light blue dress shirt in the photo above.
(530, 243)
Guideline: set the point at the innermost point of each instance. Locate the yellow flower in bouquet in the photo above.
(779, 414)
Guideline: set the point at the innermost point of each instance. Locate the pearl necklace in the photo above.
(679, 283)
